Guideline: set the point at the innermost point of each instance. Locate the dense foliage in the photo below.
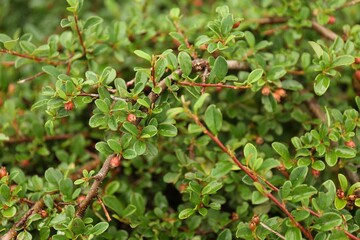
(190, 120)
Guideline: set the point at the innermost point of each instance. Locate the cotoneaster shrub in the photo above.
(189, 120)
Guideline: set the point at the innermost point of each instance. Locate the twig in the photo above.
(205, 85)
(31, 77)
(253, 176)
(79, 34)
(36, 59)
(104, 209)
(267, 20)
(93, 192)
(274, 30)
(12, 233)
(271, 230)
(95, 95)
(324, 31)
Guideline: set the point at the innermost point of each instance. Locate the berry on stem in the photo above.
(332, 20)
(115, 162)
(131, 118)
(69, 105)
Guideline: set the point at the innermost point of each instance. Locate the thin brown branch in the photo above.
(272, 230)
(79, 34)
(217, 85)
(267, 20)
(323, 30)
(108, 218)
(94, 189)
(253, 176)
(34, 58)
(95, 95)
(24, 80)
(12, 233)
(186, 40)
(274, 30)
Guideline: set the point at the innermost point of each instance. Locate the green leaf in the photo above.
(203, 211)
(102, 105)
(129, 154)
(148, 131)
(302, 192)
(3, 137)
(317, 49)
(213, 119)
(220, 68)
(221, 169)
(343, 182)
(103, 148)
(9, 212)
(340, 203)
(250, 154)
(115, 145)
(255, 75)
(171, 177)
(131, 128)
(143, 102)
(77, 226)
(331, 158)
(167, 130)
(187, 212)
(129, 210)
(139, 147)
(321, 84)
(258, 198)
(185, 63)
(99, 228)
(66, 187)
(225, 235)
(212, 187)
(250, 39)
(345, 152)
(281, 149)
(298, 175)
(293, 234)
(53, 176)
(143, 55)
(328, 221)
(92, 21)
(199, 103)
(343, 61)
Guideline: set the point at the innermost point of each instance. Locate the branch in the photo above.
(271, 230)
(219, 85)
(31, 77)
(349, 4)
(79, 34)
(94, 189)
(12, 233)
(253, 176)
(36, 59)
(324, 31)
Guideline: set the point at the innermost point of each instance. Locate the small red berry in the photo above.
(357, 75)
(69, 106)
(357, 60)
(265, 91)
(182, 187)
(114, 162)
(234, 216)
(43, 214)
(332, 20)
(80, 199)
(236, 25)
(315, 173)
(131, 118)
(350, 144)
(3, 172)
(281, 92)
(255, 219)
(340, 193)
(259, 140)
(252, 226)
(24, 163)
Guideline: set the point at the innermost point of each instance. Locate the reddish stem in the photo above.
(37, 59)
(219, 85)
(79, 34)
